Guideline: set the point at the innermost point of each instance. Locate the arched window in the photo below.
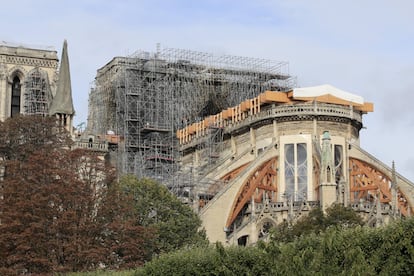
(296, 168)
(15, 97)
(338, 157)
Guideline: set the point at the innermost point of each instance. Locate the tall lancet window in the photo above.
(302, 170)
(339, 167)
(296, 167)
(15, 96)
(290, 170)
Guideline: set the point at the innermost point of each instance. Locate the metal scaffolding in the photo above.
(145, 97)
(37, 94)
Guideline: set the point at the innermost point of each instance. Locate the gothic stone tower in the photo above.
(31, 84)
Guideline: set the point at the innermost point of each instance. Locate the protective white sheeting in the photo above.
(315, 91)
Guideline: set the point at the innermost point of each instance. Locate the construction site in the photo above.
(234, 137)
(138, 102)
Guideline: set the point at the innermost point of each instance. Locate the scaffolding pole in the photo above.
(37, 94)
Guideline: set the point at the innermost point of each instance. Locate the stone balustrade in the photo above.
(96, 146)
(272, 207)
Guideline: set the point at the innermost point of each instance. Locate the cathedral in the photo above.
(237, 140)
(244, 163)
(280, 155)
(33, 82)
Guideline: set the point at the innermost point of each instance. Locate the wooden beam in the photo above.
(366, 107)
(274, 97)
(362, 173)
(253, 182)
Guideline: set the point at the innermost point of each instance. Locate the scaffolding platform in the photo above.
(148, 129)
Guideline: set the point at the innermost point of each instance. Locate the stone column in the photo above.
(3, 92)
(253, 141)
(327, 188)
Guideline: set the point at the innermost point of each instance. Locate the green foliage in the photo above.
(176, 224)
(338, 215)
(104, 273)
(391, 249)
(349, 251)
(335, 251)
(316, 222)
(211, 260)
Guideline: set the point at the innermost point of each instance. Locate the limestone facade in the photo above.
(280, 158)
(30, 71)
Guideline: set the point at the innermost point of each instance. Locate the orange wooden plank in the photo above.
(192, 128)
(366, 107)
(227, 113)
(245, 106)
(274, 97)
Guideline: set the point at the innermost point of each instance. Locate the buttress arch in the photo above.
(369, 183)
(260, 185)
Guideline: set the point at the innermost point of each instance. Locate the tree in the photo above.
(358, 250)
(23, 135)
(210, 260)
(176, 223)
(316, 221)
(59, 208)
(340, 215)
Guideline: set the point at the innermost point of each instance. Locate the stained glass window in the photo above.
(289, 170)
(338, 162)
(302, 171)
(296, 171)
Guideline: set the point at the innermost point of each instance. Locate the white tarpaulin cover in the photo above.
(316, 91)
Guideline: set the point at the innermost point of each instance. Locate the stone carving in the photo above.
(3, 71)
(31, 61)
(16, 70)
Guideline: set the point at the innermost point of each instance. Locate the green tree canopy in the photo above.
(315, 222)
(176, 223)
(335, 251)
(339, 215)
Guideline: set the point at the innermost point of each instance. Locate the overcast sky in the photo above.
(363, 47)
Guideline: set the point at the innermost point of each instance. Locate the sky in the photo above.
(363, 47)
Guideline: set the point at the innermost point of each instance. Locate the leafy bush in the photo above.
(211, 260)
(335, 251)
